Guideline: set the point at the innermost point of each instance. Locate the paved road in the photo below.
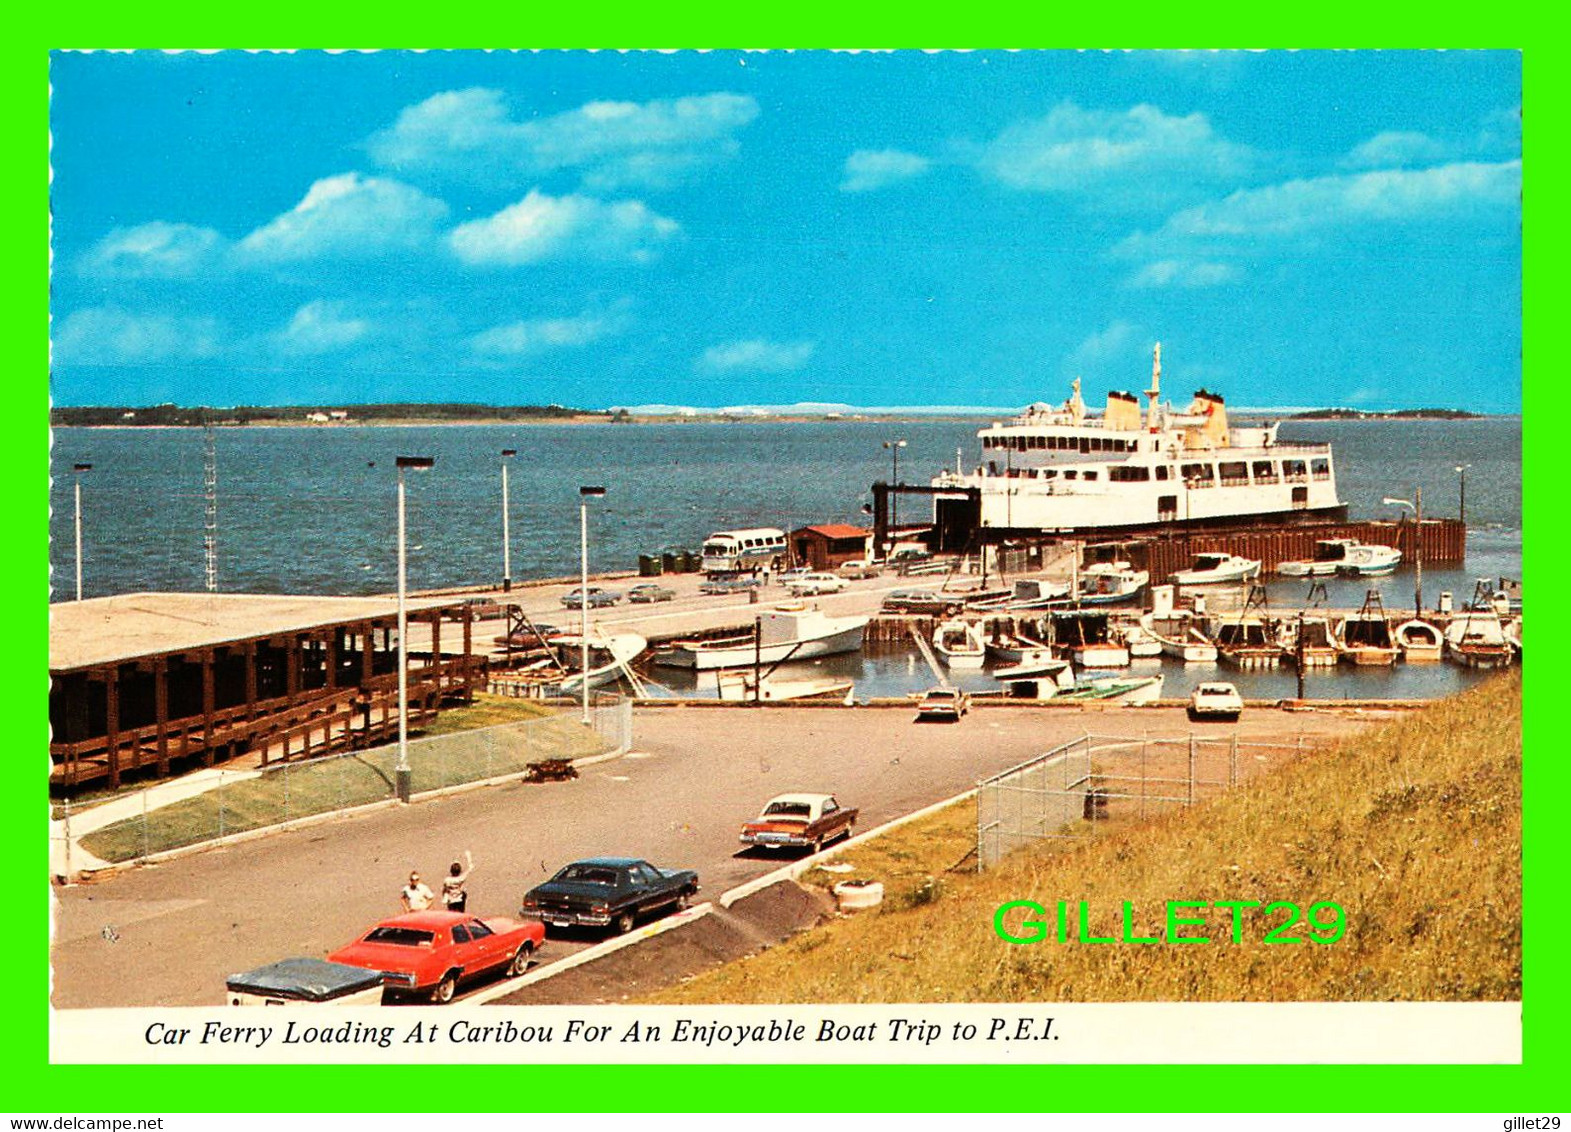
(169, 934)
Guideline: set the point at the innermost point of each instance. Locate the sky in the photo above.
(719, 229)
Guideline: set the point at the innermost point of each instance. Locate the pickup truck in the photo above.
(799, 821)
(608, 891)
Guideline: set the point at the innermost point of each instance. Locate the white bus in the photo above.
(726, 552)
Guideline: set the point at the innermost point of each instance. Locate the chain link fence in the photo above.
(1094, 783)
(213, 804)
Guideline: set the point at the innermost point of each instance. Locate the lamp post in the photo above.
(894, 447)
(402, 775)
(1461, 493)
(584, 495)
(77, 471)
(1417, 507)
(507, 544)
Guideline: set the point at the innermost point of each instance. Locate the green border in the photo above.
(40, 1087)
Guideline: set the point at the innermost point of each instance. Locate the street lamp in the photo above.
(402, 775)
(893, 447)
(584, 495)
(1461, 493)
(77, 471)
(507, 547)
(1418, 544)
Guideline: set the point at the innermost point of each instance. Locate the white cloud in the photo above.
(756, 355)
(657, 144)
(1395, 148)
(158, 249)
(1139, 152)
(320, 328)
(1119, 341)
(868, 169)
(111, 335)
(1183, 273)
(348, 216)
(528, 337)
(1295, 207)
(542, 227)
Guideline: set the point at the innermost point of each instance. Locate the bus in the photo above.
(727, 552)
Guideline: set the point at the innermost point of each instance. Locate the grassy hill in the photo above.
(1414, 828)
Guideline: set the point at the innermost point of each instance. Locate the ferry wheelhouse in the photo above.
(1061, 469)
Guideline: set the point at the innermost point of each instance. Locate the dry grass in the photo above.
(1414, 829)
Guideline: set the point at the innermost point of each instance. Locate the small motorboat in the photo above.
(1017, 649)
(738, 686)
(1140, 643)
(1214, 568)
(1365, 637)
(1180, 636)
(1247, 643)
(1088, 636)
(1419, 641)
(1111, 583)
(1114, 689)
(1309, 639)
(1051, 668)
(959, 644)
(1034, 593)
(1330, 553)
(1478, 640)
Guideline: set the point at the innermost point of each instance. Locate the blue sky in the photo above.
(723, 229)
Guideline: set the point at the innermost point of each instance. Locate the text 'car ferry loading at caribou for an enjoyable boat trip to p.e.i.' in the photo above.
(1061, 469)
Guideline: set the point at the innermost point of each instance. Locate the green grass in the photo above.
(1413, 828)
(334, 783)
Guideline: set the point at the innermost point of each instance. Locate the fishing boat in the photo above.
(1036, 593)
(1330, 553)
(1247, 643)
(1111, 583)
(1365, 637)
(738, 686)
(609, 658)
(1065, 469)
(1217, 569)
(1180, 636)
(1051, 667)
(959, 644)
(1478, 640)
(787, 632)
(1310, 641)
(1419, 641)
(1370, 560)
(1140, 643)
(1088, 637)
(1015, 648)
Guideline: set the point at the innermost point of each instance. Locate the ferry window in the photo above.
(1090, 475)
(1050, 473)
(1321, 469)
(1071, 474)
(1161, 471)
(1234, 472)
(1085, 444)
(1265, 471)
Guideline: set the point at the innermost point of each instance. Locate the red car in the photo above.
(429, 953)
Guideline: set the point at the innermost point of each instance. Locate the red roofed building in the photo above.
(827, 545)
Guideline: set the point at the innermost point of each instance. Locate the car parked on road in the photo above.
(430, 953)
(485, 609)
(943, 703)
(723, 586)
(598, 598)
(860, 568)
(1216, 701)
(810, 584)
(924, 602)
(531, 636)
(609, 891)
(799, 821)
(646, 592)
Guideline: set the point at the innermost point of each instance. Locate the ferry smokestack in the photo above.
(1155, 391)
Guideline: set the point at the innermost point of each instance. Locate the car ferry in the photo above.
(1061, 469)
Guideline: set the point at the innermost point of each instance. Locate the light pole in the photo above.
(507, 546)
(1417, 507)
(77, 471)
(584, 495)
(894, 447)
(1461, 493)
(402, 775)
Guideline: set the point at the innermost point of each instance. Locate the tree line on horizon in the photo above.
(169, 414)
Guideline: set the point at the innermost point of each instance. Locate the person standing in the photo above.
(416, 896)
(454, 898)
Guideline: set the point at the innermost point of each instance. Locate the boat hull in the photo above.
(708, 659)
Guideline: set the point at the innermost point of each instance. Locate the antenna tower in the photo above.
(210, 500)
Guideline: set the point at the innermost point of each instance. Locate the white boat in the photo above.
(1370, 560)
(1478, 640)
(1330, 553)
(1310, 640)
(791, 632)
(609, 656)
(1513, 633)
(1247, 643)
(738, 686)
(1058, 670)
(1111, 583)
(1035, 593)
(1214, 568)
(1140, 643)
(1063, 469)
(1180, 636)
(1365, 638)
(1418, 640)
(1115, 689)
(1101, 654)
(1018, 650)
(959, 644)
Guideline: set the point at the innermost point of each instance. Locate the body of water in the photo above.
(312, 510)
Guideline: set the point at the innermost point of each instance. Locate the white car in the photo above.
(809, 584)
(859, 568)
(943, 703)
(1216, 701)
